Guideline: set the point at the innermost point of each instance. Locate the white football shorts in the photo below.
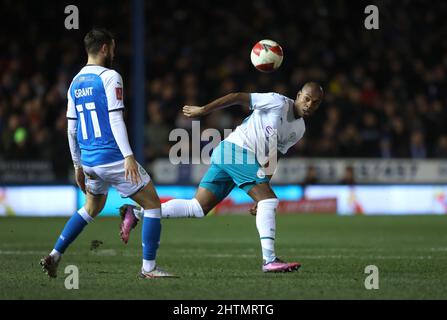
(98, 179)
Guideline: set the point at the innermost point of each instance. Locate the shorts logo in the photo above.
(142, 171)
(119, 93)
(260, 173)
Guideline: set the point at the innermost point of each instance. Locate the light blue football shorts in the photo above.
(232, 165)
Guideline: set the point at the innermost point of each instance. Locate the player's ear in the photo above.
(105, 48)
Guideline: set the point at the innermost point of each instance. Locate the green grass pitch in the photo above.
(219, 257)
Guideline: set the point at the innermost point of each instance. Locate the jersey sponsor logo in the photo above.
(119, 93)
(84, 92)
(269, 130)
(292, 137)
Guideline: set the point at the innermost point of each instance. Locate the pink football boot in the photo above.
(128, 221)
(278, 265)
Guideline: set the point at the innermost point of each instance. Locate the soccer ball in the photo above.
(266, 55)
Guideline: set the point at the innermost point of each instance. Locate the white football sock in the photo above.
(266, 224)
(138, 213)
(148, 265)
(83, 213)
(56, 255)
(181, 208)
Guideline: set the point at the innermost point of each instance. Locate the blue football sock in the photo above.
(151, 233)
(72, 229)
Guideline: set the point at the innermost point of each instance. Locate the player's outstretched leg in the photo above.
(197, 207)
(175, 208)
(266, 225)
(151, 231)
(71, 231)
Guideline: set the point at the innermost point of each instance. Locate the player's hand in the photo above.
(253, 210)
(193, 111)
(80, 178)
(131, 170)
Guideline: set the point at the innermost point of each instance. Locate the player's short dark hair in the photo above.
(314, 87)
(96, 38)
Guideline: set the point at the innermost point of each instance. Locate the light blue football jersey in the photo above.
(94, 92)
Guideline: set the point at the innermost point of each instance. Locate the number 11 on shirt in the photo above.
(91, 107)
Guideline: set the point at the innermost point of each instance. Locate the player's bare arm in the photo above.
(238, 98)
(75, 152)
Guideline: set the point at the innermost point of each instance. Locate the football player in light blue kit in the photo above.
(246, 159)
(101, 154)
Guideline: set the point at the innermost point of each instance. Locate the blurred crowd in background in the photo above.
(384, 89)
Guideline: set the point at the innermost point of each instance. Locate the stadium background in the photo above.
(382, 120)
(377, 146)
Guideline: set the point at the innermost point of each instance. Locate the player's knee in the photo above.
(261, 191)
(270, 204)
